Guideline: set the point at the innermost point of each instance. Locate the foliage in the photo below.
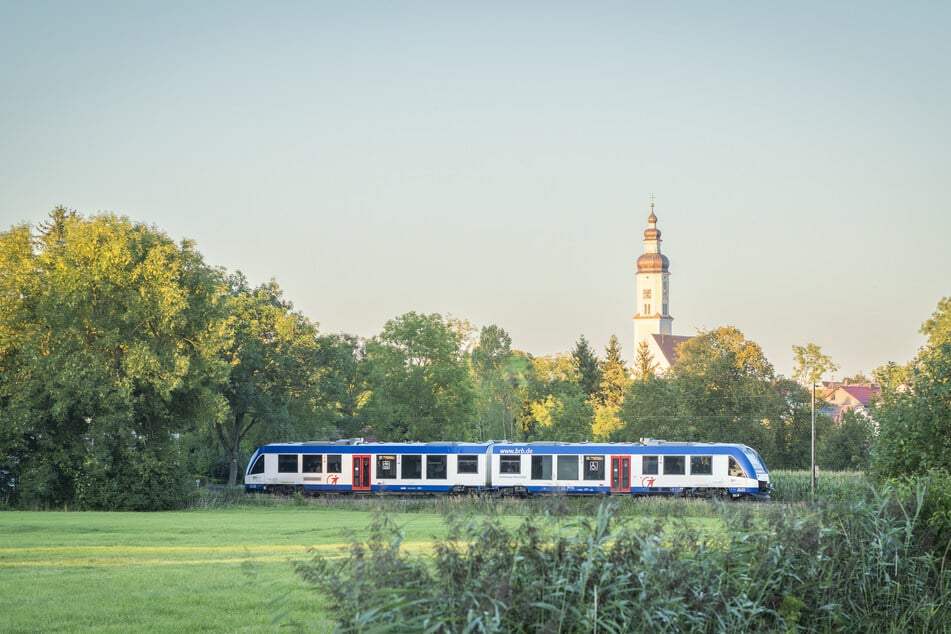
(589, 369)
(811, 364)
(847, 444)
(110, 349)
(555, 405)
(499, 374)
(271, 358)
(767, 570)
(644, 364)
(422, 388)
(914, 436)
(722, 389)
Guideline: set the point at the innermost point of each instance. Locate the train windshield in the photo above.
(755, 459)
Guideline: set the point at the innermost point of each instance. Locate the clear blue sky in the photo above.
(493, 160)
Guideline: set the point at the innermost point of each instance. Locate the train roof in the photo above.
(501, 445)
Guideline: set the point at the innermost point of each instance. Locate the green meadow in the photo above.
(217, 569)
(194, 571)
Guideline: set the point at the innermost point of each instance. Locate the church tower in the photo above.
(652, 288)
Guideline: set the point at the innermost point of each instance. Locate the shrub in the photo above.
(772, 569)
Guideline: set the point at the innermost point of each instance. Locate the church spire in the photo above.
(652, 285)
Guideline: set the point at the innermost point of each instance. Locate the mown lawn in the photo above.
(218, 570)
(197, 571)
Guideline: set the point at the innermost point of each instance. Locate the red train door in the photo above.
(620, 474)
(361, 473)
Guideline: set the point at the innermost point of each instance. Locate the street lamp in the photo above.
(815, 471)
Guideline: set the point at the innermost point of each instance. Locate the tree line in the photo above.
(130, 368)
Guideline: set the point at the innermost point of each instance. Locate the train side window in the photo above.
(594, 467)
(701, 465)
(567, 467)
(412, 467)
(287, 463)
(467, 464)
(541, 467)
(258, 466)
(735, 469)
(649, 465)
(313, 463)
(674, 465)
(386, 467)
(334, 463)
(435, 467)
(510, 464)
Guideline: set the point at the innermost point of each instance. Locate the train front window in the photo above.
(334, 463)
(594, 467)
(258, 466)
(567, 467)
(541, 467)
(649, 465)
(467, 464)
(287, 463)
(435, 467)
(313, 464)
(735, 469)
(386, 467)
(412, 468)
(674, 465)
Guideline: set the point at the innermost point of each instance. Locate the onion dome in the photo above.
(652, 262)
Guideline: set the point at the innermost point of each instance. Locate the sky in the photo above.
(494, 161)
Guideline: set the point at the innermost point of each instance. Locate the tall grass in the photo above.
(858, 564)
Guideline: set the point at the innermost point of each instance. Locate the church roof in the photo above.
(667, 344)
(652, 263)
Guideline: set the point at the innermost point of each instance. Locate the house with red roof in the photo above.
(858, 398)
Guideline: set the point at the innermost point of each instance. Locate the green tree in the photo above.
(614, 382)
(644, 365)
(811, 364)
(421, 387)
(589, 368)
(116, 353)
(272, 358)
(556, 406)
(342, 384)
(847, 445)
(499, 373)
(915, 424)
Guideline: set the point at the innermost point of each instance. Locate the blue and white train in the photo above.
(652, 467)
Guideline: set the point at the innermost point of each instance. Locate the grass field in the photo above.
(198, 571)
(222, 569)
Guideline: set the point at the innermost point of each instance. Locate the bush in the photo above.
(771, 570)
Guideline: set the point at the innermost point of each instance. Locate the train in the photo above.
(505, 468)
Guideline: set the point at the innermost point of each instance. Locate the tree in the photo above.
(498, 373)
(421, 388)
(272, 358)
(915, 424)
(589, 369)
(556, 406)
(847, 445)
(726, 391)
(644, 364)
(614, 382)
(115, 354)
(811, 364)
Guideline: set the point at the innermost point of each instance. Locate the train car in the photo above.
(653, 467)
(353, 466)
